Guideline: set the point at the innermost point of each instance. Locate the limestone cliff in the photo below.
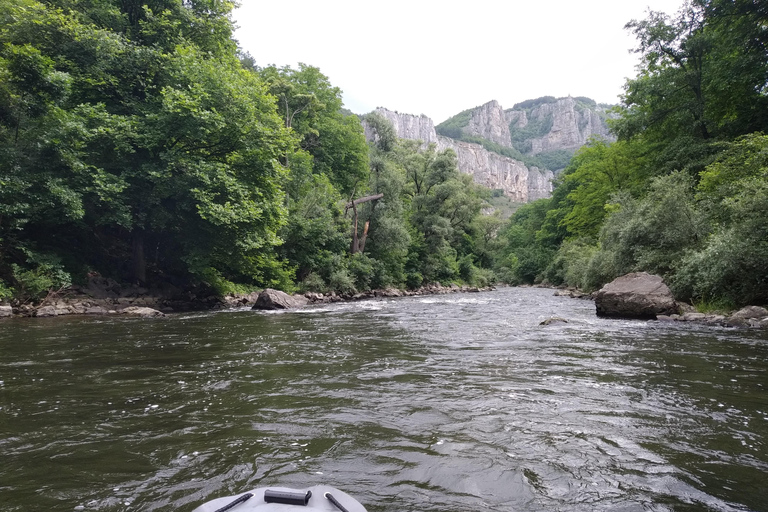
(517, 180)
(490, 122)
(407, 126)
(533, 127)
(571, 123)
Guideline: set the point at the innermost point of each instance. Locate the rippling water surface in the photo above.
(443, 403)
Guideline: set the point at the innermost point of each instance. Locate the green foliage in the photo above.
(384, 135)
(312, 108)
(531, 104)
(525, 259)
(126, 128)
(454, 126)
(732, 264)
(536, 127)
(570, 265)
(315, 227)
(652, 233)
(555, 160)
(33, 283)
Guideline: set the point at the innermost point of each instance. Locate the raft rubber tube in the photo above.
(314, 497)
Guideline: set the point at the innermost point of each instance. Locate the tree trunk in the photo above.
(355, 247)
(358, 246)
(139, 260)
(365, 235)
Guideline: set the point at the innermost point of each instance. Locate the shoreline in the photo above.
(135, 301)
(138, 302)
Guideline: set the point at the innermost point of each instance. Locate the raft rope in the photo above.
(335, 502)
(241, 499)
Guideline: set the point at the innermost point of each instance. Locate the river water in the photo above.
(444, 403)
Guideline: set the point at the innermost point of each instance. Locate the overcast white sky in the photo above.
(439, 58)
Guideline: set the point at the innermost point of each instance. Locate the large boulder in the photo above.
(140, 311)
(748, 316)
(275, 299)
(636, 295)
(6, 311)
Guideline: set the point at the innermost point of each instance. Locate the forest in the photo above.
(683, 193)
(138, 142)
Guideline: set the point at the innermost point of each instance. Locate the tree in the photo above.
(312, 109)
(131, 135)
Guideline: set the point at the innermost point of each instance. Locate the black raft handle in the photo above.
(241, 499)
(287, 497)
(335, 502)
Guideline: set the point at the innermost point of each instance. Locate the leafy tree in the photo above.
(312, 108)
(126, 133)
(733, 262)
(524, 259)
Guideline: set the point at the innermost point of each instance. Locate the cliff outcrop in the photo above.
(518, 181)
(542, 126)
(571, 123)
(407, 126)
(490, 122)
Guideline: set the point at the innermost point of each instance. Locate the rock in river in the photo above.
(275, 299)
(636, 295)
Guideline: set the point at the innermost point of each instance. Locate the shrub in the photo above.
(360, 268)
(32, 284)
(313, 283)
(341, 281)
(571, 264)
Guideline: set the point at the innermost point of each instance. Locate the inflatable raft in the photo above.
(283, 499)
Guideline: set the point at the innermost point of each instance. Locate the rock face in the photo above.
(275, 299)
(571, 126)
(490, 122)
(636, 295)
(517, 180)
(514, 178)
(407, 126)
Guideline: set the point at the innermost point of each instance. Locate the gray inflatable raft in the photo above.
(284, 499)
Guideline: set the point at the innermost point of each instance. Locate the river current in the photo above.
(446, 403)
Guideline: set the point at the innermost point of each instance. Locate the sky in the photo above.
(439, 58)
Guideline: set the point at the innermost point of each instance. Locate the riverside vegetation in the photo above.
(138, 143)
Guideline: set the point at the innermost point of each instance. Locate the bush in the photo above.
(414, 280)
(313, 283)
(341, 281)
(360, 268)
(601, 270)
(731, 267)
(652, 234)
(33, 284)
(570, 265)
(6, 292)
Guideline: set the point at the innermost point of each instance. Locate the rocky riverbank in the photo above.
(101, 296)
(645, 296)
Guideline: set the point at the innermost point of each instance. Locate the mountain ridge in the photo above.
(515, 150)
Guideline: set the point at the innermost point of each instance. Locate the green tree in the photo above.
(125, 134)
(312, 108)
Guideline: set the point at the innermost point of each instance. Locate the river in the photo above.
(446, 403)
